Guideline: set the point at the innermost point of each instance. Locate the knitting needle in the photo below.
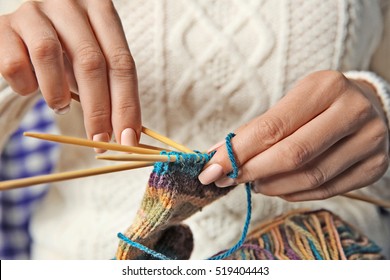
(152, 133)
(43, 179)
(132, 157)
(166, 140)
(369, 199)
(153, 147)
(90, 143)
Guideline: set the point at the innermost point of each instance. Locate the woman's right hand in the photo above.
(60, 46)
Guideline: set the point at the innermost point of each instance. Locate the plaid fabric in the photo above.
(24, 157)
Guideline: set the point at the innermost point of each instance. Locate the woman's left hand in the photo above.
(326, 137)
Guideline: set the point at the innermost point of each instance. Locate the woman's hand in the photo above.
(327, 136)
(74, 45)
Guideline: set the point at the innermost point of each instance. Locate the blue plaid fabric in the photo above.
(24, 157)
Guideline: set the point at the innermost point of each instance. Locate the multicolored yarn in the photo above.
(173, 194)
(307, 235)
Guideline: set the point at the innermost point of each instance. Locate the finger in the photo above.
(89, 66)
(310, 141)
(15, 65)
(45, 52)
(126, 113)
(70, 75)
(277, 123)
(329, 165)
(360, 175)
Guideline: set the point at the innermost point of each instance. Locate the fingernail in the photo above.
(211, 174)
(62, 111)
(129, 137)
(225, 182)
(216, 146)
(102, 137)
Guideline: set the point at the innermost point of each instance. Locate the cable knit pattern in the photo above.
(206, 67)
(315, 34)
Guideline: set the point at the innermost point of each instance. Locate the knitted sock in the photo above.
(306, 235)
(173, 194)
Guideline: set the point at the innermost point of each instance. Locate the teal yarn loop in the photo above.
(203, 158)
(234, 175)
(232, 157)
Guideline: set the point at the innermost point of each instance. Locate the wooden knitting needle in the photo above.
(44, 179)
(90, 143)
(369, 199)
(152, 134)
(133, 157)
(153, 147)
(166, 140)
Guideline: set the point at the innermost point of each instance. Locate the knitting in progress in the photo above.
(174, 193)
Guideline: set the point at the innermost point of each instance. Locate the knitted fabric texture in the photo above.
(307, 235)
(173, 194)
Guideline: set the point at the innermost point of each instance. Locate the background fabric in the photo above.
(24, 157)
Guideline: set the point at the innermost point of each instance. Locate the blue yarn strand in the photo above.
(232, 158)
(245, 229)
(229, 252)
(143, 248)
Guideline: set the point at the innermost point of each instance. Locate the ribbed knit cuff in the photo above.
(381, 86)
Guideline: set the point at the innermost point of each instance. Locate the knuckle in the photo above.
(28, 6)
(294, 154)
(269, 130)
(381, 164)
(46, 49)
(126, 107)
(121, 63)
(325, 193)
(335, 80)
(90, 59)
(315, 177)
(11, 66)
(381, 133)
(362, 108)
(99, 114)
(329, 79)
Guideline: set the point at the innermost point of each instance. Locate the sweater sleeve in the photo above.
(12, 109)
(379, 72)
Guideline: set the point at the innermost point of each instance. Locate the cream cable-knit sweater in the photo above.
(206, 67)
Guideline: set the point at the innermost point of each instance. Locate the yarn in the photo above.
(229, 252)
(143, 248)
(232, 158)
(174, 193)
(306, 235)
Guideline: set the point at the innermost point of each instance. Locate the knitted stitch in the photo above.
(173, 194)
